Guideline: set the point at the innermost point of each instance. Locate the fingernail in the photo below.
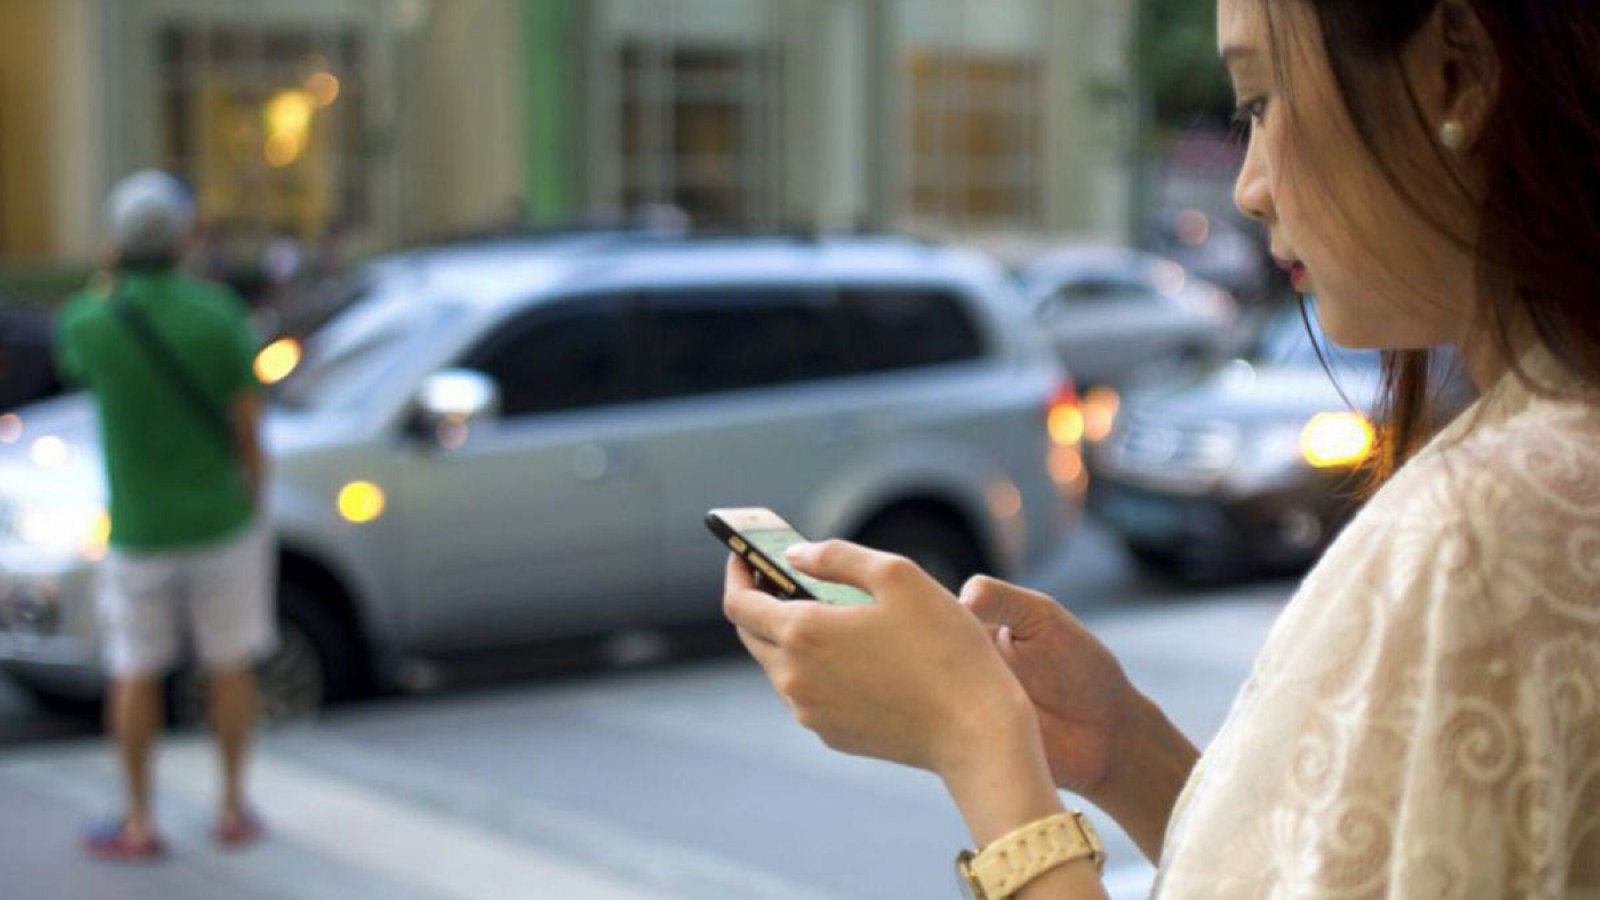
(799, 552)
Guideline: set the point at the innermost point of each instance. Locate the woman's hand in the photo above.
(912, 678)
(1104, 740)
(1078, 688)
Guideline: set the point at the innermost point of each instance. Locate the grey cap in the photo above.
(149, 214)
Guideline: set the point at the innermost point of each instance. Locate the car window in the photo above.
(726, 339)
(890, 328)
(1101, 291)
(559, 357)
(310, 307)
(351, 356)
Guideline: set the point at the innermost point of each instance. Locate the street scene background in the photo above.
(461, 708)
(679, 776)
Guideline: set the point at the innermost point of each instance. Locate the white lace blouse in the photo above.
(1424, 720)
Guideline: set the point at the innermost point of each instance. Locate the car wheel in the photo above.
(942, 548)
(53, 701)
(1193, 571)
(317, 662)
(1162, 561)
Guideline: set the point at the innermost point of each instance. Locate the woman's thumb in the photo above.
(1002, 605)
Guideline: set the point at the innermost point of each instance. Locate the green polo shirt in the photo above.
(174, 482)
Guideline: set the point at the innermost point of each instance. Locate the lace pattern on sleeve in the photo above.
(1425, 718)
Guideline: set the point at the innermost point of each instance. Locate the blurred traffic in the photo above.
(1246, 464)
(536, 284)
(494, 444)
(495, 441)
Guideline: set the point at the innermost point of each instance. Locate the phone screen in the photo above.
(772, 542)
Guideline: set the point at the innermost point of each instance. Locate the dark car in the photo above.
(1248, 466)
(27, 367)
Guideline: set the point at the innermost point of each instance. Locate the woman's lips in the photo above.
(1296, 270)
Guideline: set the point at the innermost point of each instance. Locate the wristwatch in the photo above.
(1007, 865)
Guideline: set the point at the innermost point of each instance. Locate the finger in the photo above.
(995, 602)
(1005, 640)
(739, 576)
(757, 612)
(847, 563)
(770, 658)
(765, 653)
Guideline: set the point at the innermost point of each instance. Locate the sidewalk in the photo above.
(329, 838)
(680, 783)
(42, 861)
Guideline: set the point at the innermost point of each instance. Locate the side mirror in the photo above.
(449, 402)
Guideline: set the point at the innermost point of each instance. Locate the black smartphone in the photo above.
(760, 537)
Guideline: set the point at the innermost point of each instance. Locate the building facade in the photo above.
(396, 121)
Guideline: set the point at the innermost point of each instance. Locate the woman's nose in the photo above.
(1251, 192)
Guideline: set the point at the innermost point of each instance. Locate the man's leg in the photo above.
(139, 638)
(134, 717)
(233, 714)
(234, 623)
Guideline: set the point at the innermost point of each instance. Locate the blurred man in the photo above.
(168, 360)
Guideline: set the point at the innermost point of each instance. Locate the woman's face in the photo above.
(1384, 277)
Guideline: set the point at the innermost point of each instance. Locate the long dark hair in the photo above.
(1538, 243)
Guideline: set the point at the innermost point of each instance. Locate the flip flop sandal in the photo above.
(240, 833)
(110, 841)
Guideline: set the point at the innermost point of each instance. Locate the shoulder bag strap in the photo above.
(173, 369)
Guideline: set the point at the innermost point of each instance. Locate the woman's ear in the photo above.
(1454, 67)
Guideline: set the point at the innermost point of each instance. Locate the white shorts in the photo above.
(219, 596)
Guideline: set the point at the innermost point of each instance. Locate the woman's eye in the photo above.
(1250, 113)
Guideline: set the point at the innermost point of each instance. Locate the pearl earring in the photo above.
(1453, 135)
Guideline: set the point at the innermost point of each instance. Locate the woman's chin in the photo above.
(1346, 331)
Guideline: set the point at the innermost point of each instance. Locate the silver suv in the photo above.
(494, 445)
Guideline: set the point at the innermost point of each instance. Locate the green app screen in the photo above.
(773, 543)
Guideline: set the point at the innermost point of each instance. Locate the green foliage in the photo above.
(1178, 67)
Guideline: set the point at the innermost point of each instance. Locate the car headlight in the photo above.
(278, 360)
(1327, 440)
(1337, 440)
(73, 529)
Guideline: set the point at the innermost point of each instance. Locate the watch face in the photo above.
(970, 890)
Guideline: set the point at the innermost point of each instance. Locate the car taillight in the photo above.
(1100, 408)
(1066, 424)
(1065, 418)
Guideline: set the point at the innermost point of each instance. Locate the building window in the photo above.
(697, 131)
(975, 140)
(267, 124)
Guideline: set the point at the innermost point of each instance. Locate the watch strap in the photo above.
(1005, 866)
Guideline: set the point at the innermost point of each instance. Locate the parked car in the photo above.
(27, 367)
(1108, 311)
(292, 318)
(1217, 248)
(500, 445)
(1248, 466)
